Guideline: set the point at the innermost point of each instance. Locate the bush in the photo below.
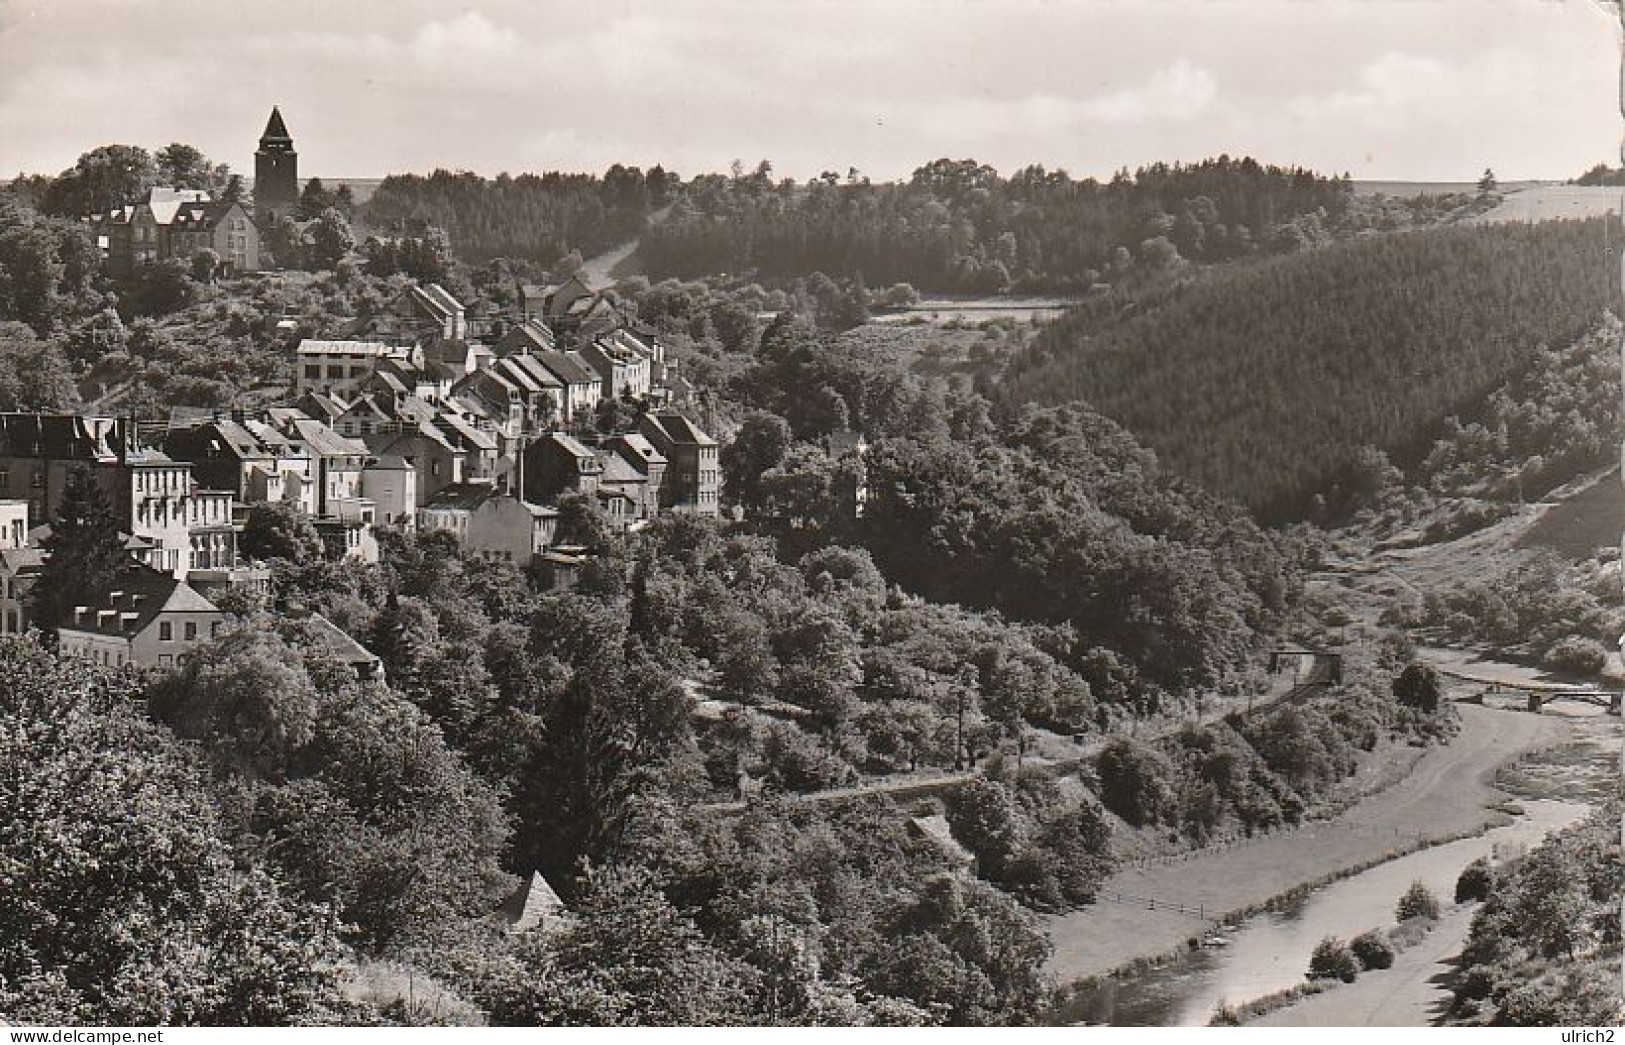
(1372, 951)
(1136, 782)
(1418, 902)
(1333, 960)
(1418, 687)
(1475, 881)
(1577, 655)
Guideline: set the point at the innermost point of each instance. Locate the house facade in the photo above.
(692, 482)
(149, 619)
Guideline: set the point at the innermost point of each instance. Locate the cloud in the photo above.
(467, 41)
(1180, 92)
(1397, 89)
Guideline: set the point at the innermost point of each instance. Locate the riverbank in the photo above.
(1407, 994)
(1449, 793)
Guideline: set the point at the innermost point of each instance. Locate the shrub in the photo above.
(1418, 902)
(1474, 883)
(1418, 687)
(1136, 782)
(1372, 951)
(1333, 960)
(1577, 654)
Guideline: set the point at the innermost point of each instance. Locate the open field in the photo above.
(1449, 793)
(1550, 202)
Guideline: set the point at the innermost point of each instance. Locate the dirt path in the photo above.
(600, 271)
(1447, 794)
(1410, 994)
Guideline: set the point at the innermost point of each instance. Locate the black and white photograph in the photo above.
(841, 514)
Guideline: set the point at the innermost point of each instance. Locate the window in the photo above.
(165, 660)
(214, 629)
(166, 631)
(37, 480)
(191, 631)
(5, 477)
(313, 370)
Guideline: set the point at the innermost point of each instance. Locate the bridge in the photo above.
(1610, 702)
(1537, 696)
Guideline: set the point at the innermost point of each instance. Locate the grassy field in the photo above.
(1551, 202)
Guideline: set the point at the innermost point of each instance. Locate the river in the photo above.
(1270, 951)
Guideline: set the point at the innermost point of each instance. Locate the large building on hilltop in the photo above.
(276, 173)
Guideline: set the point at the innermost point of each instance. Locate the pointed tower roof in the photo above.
(275, 129)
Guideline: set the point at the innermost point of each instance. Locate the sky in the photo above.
(1418, 90)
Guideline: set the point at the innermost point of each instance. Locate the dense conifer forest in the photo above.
(1264, 381)
(960, 226)
(536, 217)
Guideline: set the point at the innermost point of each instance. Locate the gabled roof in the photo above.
(142, 594)
(337, 641)
(402, 442)
(323, 440)
(935, 830)
(531, 335)
(464, 496)
(638, 445)
(228, 434)
(568, 367)
(570, 445)
(529, 373)
(21, 562)
(389, 381)
(678, 428)
(440, 297)
(533, 904)
(166, 202)
(467, 433)
(70, 436)
(416, 408)
(618, 469)
(389, 463)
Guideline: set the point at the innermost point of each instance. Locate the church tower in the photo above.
(276, 173)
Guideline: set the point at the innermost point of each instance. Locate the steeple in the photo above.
(276, 132)
(276, 173)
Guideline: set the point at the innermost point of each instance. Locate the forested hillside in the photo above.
(536, 217)
(1265, 381)
(960, 226)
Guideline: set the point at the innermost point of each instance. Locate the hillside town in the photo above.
(411, 421)
(483, 591)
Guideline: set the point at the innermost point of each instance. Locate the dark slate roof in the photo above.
(142, 593)
(531, 335)
(465, 496)
(570, 445)
(617, 469)
(65, 436)
(679, 429)
(636, 445)
(275, 129)
(568, 368)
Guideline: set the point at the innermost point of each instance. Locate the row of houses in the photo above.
(181, 495)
